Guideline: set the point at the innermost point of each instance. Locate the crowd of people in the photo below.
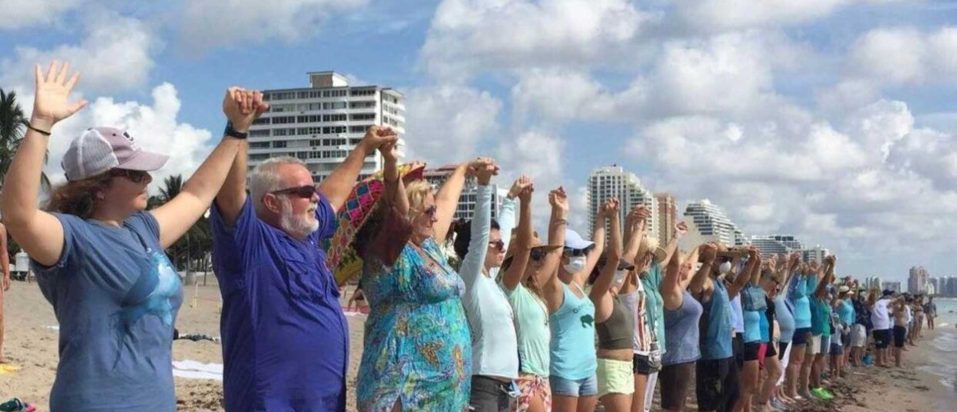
(490, 315)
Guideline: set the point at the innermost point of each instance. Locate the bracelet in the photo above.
(233, 132)
(43, 132)
(561, 222)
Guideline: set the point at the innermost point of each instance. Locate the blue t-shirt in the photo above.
(285, 338)
(716, 325)
(115, 296)
(798, 295)
(681, 327)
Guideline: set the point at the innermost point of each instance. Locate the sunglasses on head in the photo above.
(306, 192)
(498, 245)
(135, 176)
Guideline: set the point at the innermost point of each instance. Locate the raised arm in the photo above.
(600, 289)
(634, 232)
(39, 233)
(709, 252)
(670, 287)
(232, 194)
(552, 286)
(474, 262)
(741, 279)
(680, 229)
(598, 236)
(339, 184)
(506, 216)
(515, 273)
(447, 200)
(179, 214)
(394, 186)
(821, 290)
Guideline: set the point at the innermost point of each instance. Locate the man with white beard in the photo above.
(285, 339)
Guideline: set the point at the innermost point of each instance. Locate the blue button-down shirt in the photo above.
(285, 338)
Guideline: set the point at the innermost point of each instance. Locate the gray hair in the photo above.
(265, 178)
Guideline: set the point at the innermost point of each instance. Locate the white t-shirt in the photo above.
(737, 314)
(880, 316)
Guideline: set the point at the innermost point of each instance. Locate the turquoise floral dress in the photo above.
(418, 347)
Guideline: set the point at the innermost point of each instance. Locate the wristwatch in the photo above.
(233, 132)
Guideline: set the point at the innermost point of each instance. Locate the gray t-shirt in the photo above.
(116, 296)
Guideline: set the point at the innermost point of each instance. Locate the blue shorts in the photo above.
(579, 388)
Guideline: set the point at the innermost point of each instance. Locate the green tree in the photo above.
(191, 252)
(12, 125)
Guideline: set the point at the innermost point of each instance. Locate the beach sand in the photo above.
(31, 344)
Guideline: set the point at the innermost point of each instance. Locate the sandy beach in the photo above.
(31, 345)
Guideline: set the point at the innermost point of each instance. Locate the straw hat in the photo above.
(650, 244)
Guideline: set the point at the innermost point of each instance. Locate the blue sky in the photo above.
(830, 119)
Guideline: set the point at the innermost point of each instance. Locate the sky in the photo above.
(833, 120)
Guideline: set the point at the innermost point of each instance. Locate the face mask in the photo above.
(724, 268)
(620, 278)
(575, 264)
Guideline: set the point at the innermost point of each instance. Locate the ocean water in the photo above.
(945, 343)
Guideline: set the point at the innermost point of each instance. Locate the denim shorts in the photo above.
(578, 387)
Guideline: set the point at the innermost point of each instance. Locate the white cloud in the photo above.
(905, 55)
(18, 14)
(539, 155)
(215, 23)
(114, 55)
(154, 126)
(469, 35)
(446, 124)
(719, 15)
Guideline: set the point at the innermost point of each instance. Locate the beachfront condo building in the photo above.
(667, 217)
(322, 123)
(917, 280)
(708, 222)
(615, 181)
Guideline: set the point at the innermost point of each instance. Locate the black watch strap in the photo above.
(230, 131)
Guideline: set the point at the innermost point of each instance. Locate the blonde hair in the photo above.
(417, 191)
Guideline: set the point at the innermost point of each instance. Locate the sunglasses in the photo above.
(499, 245)
(305, 192)
(135, 176)
(575, 252)
(537, 254)
(430, 212)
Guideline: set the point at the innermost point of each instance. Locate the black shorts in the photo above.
(751, 351)
(782, 349)
(716, 383)
(737, 348)
(900, 336)
(771, 351)
(801, 335)
(882, 338)
(675, 383)
(642, 365)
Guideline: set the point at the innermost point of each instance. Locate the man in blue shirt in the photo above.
(285, 339)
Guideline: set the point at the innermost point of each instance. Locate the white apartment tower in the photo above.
(322, 123)
(710, 222)
(614, 181)
(777, 244)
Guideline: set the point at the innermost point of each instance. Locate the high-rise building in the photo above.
(817, 253)
(873, 282)
(667, 217)
(710, 222)
(894, 286)
(614, 181)
(935, 285)
(740, 239)
(466, 205)
(322, 123)
(917, 279)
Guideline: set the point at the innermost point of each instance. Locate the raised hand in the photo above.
(709, 252)
(242, 107)
(389, 151)
(527, 188)
(681, 229)
(52, 102)
(376, 136)
(483, 168)
(519, 185)
(558, 199)
(610, 208)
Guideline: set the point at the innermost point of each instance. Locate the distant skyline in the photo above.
(831, 120)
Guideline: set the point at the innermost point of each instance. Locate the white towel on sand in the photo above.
(191, 369)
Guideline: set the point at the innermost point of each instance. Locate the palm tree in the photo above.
(197, 241)
(12, 124)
